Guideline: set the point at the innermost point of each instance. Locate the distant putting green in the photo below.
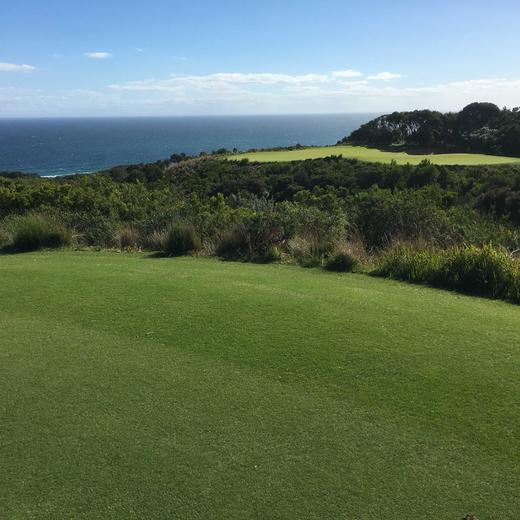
(140, 388)
(372, 155)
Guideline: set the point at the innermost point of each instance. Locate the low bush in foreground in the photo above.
(256, 237)
(482, 271)
(407, 262)
(181, 239)
(232, 244)
(129, 238)
(342, 261)
(345, 258)
(4, 238)
(31, 232)
(310, 250)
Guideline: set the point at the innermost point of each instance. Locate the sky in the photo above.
(208, 57)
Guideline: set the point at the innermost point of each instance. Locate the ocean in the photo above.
(52, 147)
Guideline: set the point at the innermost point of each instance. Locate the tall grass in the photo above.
(485, 270)
(32, 231)
(256, 237)
(409, 262)
(346, 257)
(233, 244)
(129, 238)
(155, 240)
(181, 239)
(4, 238)
(482, 270)
(310, 249)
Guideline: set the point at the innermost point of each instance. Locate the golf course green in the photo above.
(373, 155)
(137, 387)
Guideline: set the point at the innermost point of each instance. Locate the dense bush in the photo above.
(31, 232)
(90, 229)
(181, 239)
(341, 261)
(345, 258)
(409, 262)
(483, 270)
(233, 244)
(126, 195)
(382, 217)
(155, 240)
(4, 238)
(256, 236)
(129, 238)
(301, 210)
(310, 250)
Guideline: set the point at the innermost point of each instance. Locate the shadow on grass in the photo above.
(11, 250)
(420, 150)
(413, 150)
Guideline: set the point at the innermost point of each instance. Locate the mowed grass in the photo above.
(133, 387)
(374, 155)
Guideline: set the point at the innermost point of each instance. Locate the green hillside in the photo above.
(134, 387)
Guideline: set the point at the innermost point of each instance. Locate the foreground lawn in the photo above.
(133, 387)
(373, 155)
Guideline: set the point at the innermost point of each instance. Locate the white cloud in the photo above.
(224, 81)
(14, 67)
(385, 76)
(260, 93)
(97, 55)
(345, 74)
(270, 93)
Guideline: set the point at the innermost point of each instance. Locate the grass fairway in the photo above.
(373, 155)
(133, 387)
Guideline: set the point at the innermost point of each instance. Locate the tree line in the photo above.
(479, 127)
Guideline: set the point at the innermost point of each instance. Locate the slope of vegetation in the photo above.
(135, 387)
(373, 155)
(336, 213)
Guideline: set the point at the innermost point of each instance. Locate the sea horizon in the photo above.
(185, 116)
(56, 146)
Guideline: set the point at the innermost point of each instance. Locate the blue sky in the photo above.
(180, 57)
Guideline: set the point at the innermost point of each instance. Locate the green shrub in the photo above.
(155, 240)
(273, 254)
(4, 238)
(383, 216)
(32, 232)
(344, 259)
(408, 262)
(232, 244)
(483, 270)
(256, 237)
(91, 229)
(477, 270)
(513, 293)
(129, 238)
(181, 239)
(310, 250)
(341, 261)
(329, 224)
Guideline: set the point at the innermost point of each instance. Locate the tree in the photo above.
(477, 115)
